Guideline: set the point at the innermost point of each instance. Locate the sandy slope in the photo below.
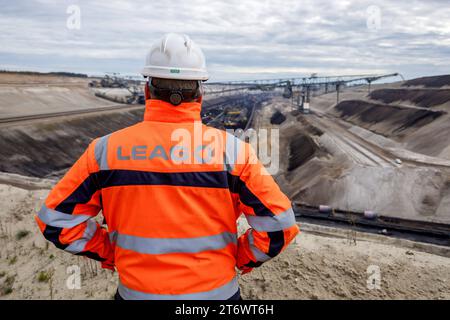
(332, 268)
(35, 94)
(315, 267)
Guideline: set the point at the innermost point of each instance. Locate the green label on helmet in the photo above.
(174, 70)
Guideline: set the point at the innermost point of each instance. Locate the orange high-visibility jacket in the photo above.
(170, 207)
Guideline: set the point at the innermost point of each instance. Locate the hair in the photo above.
(169, 90)
(174, 84)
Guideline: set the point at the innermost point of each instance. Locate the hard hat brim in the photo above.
(175, 73)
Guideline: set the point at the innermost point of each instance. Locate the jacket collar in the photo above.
(161, 111)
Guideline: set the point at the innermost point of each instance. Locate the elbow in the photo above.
(50, 233)
(291, 233)
(291, 229)
(41, 225)
(279, 240)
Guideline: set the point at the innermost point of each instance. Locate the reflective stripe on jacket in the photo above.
(171, 201)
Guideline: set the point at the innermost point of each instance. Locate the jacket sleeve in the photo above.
(66, 218)
(267, 210)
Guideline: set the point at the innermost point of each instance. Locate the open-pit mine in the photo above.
(367, 169)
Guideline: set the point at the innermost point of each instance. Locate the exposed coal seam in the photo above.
(430, 82)
(421, 97)
(398, 118)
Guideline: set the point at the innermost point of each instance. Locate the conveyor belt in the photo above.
(421, 231)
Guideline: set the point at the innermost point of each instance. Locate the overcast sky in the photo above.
(242, 39)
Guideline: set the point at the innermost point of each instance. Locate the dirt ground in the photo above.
(314, 267)
(318, 267)
(352, 168)
(431, 139)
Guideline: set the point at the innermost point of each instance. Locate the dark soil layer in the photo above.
(420, 97)
(385, 119)
(313, 130)
(430, 82)
(45, 148)
(301, 149)
(277, 118)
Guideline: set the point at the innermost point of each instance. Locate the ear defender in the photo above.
(173, 96)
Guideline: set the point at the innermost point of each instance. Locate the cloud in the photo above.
(253, 38)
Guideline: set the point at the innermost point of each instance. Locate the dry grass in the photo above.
(44, 276)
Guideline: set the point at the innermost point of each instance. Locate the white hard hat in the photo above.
(175, 56)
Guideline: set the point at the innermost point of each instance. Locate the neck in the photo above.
(158, 110)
